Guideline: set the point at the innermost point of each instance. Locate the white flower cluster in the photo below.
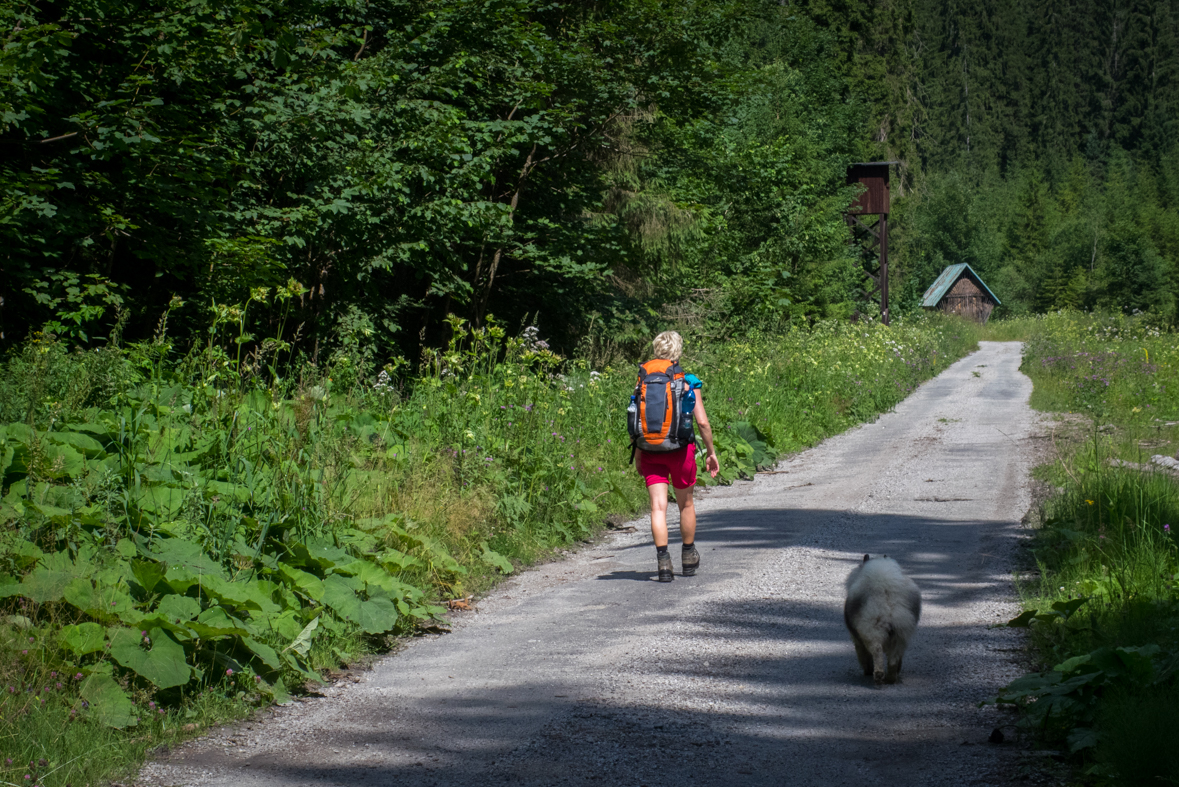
(382, 385)
(532, 340)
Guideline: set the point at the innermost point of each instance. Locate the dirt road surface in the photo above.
(585, 671)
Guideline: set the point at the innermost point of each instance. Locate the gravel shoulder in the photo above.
(585, 671)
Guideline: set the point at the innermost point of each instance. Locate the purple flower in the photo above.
(229, 672)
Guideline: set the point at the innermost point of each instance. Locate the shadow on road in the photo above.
(641, 576)
(747, 689)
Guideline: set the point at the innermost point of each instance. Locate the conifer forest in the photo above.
(587, 166)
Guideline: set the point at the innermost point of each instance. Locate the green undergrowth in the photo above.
(1103, 612)
(183, 538)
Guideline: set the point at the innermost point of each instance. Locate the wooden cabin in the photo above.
(959, 290)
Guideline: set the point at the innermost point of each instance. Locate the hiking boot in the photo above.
(690, 561)
(665, 572)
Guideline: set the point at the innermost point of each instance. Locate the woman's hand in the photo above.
(711, 464)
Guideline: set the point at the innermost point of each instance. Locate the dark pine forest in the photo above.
(598, 168)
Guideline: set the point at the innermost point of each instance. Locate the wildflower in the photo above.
(1090, 502)
(1167, 528)
(229, 672)
(78, 676)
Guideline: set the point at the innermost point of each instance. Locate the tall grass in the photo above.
(1107, 594)
(399, 491)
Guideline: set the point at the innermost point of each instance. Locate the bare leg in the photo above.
(683, 499)
(658, 493)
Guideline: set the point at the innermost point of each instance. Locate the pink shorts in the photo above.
(675, 467)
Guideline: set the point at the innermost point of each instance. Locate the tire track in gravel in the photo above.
(586, 672)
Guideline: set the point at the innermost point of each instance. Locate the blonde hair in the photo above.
(668, 345)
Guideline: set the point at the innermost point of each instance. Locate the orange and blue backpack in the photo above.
(656, 418)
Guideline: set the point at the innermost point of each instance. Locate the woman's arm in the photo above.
(711, 463)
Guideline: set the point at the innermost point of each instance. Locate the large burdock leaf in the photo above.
(82, 443)
(264, 652)
(83, 638)
(164, 664)
(307, 584)
(254, 594)
(181, 554)
(215, 622)
(179, 608)
(48, 581)
(339, 596)
(163, 501)
(377, 615)
(327, 554)
(96, 599)
(148, 573)
(63, 460)
(107, 701)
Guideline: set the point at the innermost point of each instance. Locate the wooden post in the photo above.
(884, 268)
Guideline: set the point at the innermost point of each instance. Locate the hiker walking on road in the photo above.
(660, 422)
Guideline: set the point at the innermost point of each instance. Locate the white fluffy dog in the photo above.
(881, 612)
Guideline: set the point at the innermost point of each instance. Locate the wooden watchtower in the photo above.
(872, 238)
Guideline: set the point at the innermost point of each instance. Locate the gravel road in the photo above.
(585, 671)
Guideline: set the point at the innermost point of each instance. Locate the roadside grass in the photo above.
(1104, 611)
(186, 537)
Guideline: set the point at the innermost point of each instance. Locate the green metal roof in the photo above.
(948, 278)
